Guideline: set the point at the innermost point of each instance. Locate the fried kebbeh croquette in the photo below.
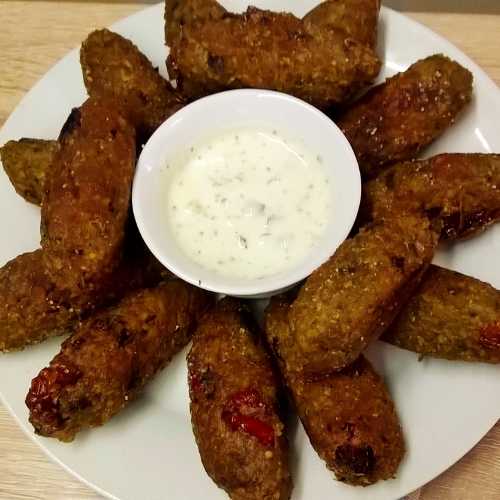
(111, 356)
(32, 309)
(114, 66)
(358, 18)
(28, 312)
(461, 190)
(451, 316)
(235, 408)
(348, 416)
(352, 298)
(26, 163)
(263, 49)
(394, 121)
(86, 201)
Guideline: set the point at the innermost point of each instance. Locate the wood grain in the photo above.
(34, 35)
(26, 473)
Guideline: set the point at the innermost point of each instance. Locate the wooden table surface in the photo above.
(34, 35)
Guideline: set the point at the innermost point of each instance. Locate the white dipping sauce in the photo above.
(248, 203)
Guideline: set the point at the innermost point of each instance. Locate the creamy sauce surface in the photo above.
(248, 203)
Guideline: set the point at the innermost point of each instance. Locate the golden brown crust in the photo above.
(348, 416)
(451, 316)
(263, 49)
(110, 358)
(461, 190)
(394, 121)
(28, 311)
(26, 163)
(86, 204)
(32, 309)
(235, 409)
(357, 18)
(181, 12)
(352, 298)
(114, 66)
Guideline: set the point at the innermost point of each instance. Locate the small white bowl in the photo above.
(226, 111)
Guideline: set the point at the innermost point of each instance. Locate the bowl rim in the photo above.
(248, 287)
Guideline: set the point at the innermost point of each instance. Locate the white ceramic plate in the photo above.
(148, 451)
